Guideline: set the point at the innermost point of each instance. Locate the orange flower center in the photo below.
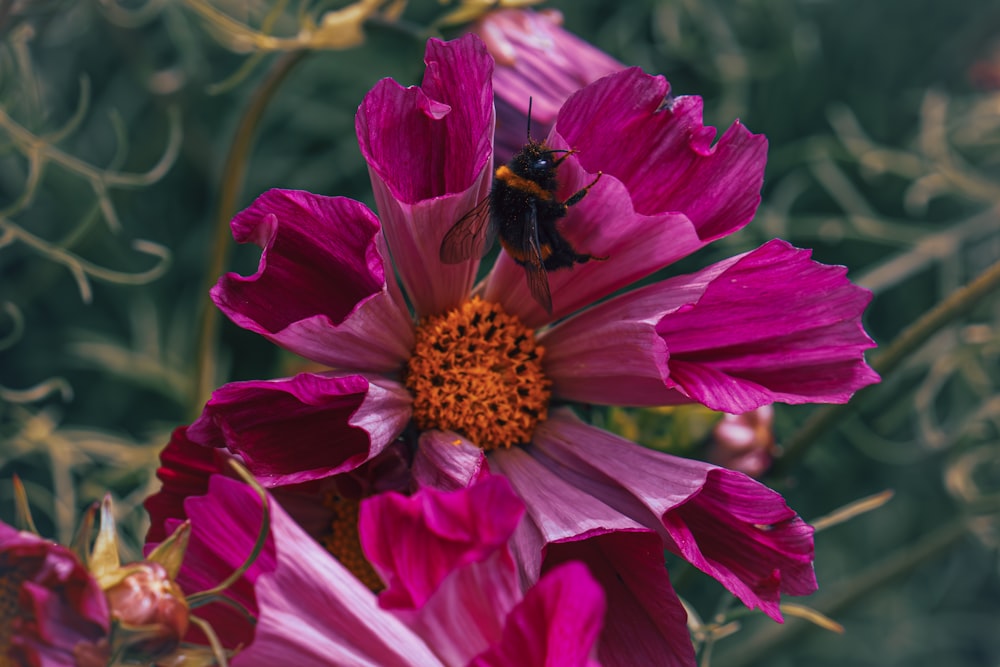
(477, 371)
(344, 542)
(10, 608)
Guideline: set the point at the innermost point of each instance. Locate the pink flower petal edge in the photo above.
(723, 522)
(415, 542)
(429, 152)
(320, 289)
(303, 428)
(737, 335)
(556, 624)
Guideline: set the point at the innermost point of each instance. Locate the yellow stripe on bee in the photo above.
(504, 173)
(521, 255)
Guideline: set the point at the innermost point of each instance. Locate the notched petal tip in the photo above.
(318, 259)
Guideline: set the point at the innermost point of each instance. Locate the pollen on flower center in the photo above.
(344, 543)
(10, 607)
(476, 370)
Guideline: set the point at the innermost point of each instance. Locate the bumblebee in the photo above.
(522, 210)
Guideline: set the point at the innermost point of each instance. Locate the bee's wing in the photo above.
(471, 236)
(538, 277)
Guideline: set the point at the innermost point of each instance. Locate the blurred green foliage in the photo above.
(884, 128)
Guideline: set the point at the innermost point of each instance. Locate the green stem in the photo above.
(904, 561)
(957, 304)
(233, 174)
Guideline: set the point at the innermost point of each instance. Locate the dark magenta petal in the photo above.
(723, 522)
(566, 521)
(52, 603)
(330, 619)
(303, 428)
(433, 140)
(429, 153)
(184, 470)
(626, 125)
(768, 326)
(225, 523)
(447, 461)
(555, 625)
(320, 289)
(645, 623)
(416, 542)
(774, 327)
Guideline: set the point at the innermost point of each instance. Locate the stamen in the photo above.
(11, 579)
(344, 542)
(476, 370)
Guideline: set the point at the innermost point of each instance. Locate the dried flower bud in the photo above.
(152, 606)
(745, 442)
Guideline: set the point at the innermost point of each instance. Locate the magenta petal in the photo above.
(775, 326)
(184, 471)
(447, 461)
(303, 428)
(724, 523)
(225, 523)
(556, 625)
(52, 605)
(415, 542)
(767, 326)
(320, 289)
(625, 125)
(330, 619)
(465, 614)
(536, 60)
(558, 509)
(645, 623)
(566, 521)
(429, 151)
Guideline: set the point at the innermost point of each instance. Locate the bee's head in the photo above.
(535, 161)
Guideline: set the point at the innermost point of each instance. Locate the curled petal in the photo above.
(627, 126)
(416, 542)
(465, 614)
(774, 327)
(767, 326)
(52, 606)
(665, 190)
(429, 151)
(726, 524)
(566, 521)
(303, 428)
(330, 619)
(447, 461)
(320, 289)
(185, 468)
(557, 623)
(645, 623)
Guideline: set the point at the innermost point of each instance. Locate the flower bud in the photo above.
(745, 442)
(151, 606)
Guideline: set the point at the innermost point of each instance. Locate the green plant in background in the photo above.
(884, 143)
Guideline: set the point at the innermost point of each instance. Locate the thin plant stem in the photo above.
(842, 596)
(233, 174)
(956, 305)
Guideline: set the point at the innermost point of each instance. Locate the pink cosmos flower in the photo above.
(535, 59)
(453, 597)
(469, 375)
(52, 612)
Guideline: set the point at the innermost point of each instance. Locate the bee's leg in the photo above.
(577, 196)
